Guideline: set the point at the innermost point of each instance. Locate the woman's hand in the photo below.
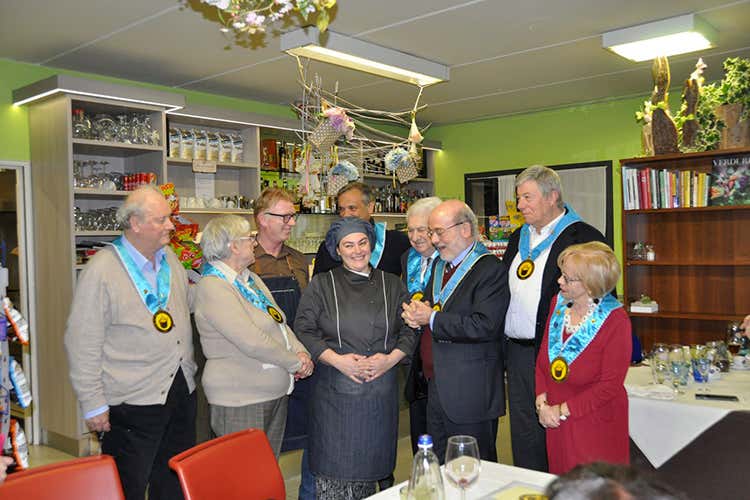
(376, 365)
(307, 366)
(350, 365)
(549, 416)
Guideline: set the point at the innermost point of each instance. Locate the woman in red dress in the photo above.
(582, 363)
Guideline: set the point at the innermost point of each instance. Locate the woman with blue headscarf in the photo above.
(349, 319)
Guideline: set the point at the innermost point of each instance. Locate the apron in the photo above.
(357, 426)
(286, 292)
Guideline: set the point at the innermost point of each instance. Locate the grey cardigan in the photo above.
(115, 353)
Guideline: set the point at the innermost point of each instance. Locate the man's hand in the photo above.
(307, 366)
(99, 423)
(416, 313)
(746, 325)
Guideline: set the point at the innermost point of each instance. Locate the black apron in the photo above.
(286, 293)
(356, 426)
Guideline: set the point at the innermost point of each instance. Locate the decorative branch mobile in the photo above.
(340, 139)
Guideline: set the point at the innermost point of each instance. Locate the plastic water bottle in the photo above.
(426, 481)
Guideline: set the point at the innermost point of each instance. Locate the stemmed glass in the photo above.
(462, 463)
(660, 368)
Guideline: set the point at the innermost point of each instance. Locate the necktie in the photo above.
(425, 266)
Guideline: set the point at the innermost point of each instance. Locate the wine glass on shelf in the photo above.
(462, 463)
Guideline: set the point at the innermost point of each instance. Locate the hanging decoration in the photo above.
(247, 17)
(344, 141)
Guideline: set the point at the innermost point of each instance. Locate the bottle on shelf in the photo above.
(282, 157)
(426, 482)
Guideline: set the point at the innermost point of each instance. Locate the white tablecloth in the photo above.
(492, 477)
(662, 428)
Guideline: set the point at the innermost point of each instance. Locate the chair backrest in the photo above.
(87, 478)
(237, 466)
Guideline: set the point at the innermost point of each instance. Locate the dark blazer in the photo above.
(578, 232)
(467, 344)
(396, 243)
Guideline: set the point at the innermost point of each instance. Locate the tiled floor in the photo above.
(290, 461)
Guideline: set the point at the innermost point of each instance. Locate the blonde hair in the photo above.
(268, 198)
(595, 265)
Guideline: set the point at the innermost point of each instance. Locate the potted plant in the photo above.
(733, 96)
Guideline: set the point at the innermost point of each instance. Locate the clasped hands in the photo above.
(362, 369)
(551, 416)
(416, 313)
(307, 366)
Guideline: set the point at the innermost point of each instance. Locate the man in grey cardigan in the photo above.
(130, 350)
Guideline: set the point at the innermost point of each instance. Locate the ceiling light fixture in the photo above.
(676, 35)
(342, 50)
(66, 84)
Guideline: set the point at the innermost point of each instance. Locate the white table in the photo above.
(663, 428)
(493, 477)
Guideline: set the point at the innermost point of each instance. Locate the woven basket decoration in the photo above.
(324, 136)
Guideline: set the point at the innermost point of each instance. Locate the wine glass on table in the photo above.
(462, 463)
(679, 367)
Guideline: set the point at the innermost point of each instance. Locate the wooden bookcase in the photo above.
(701, 272)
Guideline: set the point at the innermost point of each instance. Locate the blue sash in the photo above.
(154, 300)
(524, 245)
(377, 252)
(413, 269)
(576, 343)
(441, 296)
(250, 292)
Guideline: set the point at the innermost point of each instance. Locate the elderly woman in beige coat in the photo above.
(252, 356)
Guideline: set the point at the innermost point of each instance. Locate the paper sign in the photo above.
(204, 166)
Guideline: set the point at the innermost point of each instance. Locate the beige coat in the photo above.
(247, 358)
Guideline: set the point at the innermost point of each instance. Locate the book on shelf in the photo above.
(730, 180)
(644, 307)
(649, 188)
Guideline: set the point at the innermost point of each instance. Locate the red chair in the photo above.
(238, 466)
(88, 478)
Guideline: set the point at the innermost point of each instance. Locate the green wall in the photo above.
(14, 133)
(593, 132)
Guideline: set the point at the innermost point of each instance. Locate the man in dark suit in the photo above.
(461, 346)
(531, 260)
(355, 200)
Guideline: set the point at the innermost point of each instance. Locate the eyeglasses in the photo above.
(252, 237)
(569, 280)
(418, 230)
(439, 231)
(284, 217)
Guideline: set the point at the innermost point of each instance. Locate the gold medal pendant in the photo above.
(437, 308)
(559, 369)
(525, 269)
(163, 321)
(417, 296)
(275, 314)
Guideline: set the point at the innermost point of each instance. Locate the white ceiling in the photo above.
(505, 57)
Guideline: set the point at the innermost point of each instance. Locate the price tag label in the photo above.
(204, 166)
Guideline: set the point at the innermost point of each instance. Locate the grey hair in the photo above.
(423, 206)
(466, 214)
(219, 233)
(547, 180)
(133, 205)
(363, 188)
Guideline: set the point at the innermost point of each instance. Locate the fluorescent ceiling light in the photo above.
(334, 48)
(676, 35)
(66, 84)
